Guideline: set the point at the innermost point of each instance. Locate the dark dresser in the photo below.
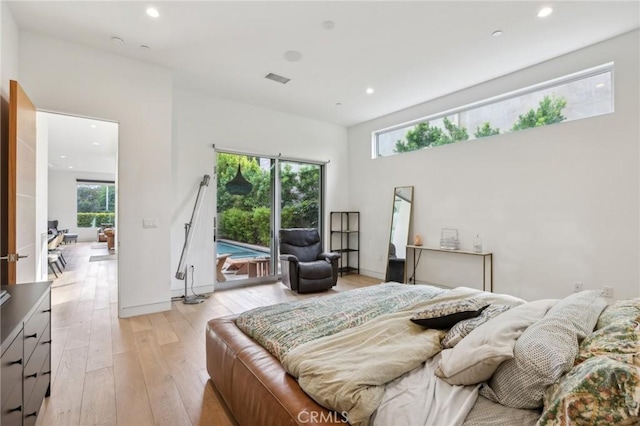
(26, 352)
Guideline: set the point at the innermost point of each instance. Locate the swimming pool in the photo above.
(237, 251)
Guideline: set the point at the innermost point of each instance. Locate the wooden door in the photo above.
(18, 189)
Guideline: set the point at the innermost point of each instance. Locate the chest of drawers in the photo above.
(26, 352)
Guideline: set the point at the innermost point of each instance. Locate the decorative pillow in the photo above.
(619, 311)
(478, 355)
(446, 314)
(619, 340)
(600, 391)
(545, 351)
(461, 329)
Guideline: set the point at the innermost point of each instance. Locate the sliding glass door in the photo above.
(300, 189)
(256, 196)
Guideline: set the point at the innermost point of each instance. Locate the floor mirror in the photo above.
(399, 233)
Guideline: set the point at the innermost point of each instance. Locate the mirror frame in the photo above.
(396, 191)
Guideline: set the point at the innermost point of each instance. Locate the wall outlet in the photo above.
(607, 291)
(577, 286)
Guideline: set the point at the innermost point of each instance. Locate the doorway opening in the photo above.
(81, 205)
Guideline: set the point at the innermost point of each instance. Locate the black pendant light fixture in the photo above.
(239, 185)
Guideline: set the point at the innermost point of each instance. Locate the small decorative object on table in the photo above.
(477, 244)
(417, 240)
(449, 239)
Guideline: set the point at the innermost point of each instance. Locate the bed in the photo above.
(373, 356)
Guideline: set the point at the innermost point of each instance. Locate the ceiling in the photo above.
(408, 52)
(81, 144)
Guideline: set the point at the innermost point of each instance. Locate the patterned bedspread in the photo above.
(282, 327)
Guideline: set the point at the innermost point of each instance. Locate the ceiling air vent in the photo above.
(278, 78)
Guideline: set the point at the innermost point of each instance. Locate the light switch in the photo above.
(149, 223)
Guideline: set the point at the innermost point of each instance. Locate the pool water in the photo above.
(237, 251)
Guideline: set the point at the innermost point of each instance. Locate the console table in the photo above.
(26, 352)
(487, 262)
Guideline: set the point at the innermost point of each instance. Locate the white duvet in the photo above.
(419, 398)
(347, 372)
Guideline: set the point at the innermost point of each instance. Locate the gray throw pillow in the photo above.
(545, 351)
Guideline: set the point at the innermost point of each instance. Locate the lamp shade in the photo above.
(239, 185)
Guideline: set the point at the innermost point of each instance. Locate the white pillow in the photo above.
(479, 354)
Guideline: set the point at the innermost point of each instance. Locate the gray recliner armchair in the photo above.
(305, 267)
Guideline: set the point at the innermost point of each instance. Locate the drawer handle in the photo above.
(16, 362)
(46, 341)
(18, 408)
(47, 310)
(46, 372)
(31, 375)
(31, 335)
(35, 413)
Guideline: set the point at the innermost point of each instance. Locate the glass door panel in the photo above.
(244, 238)
(257, 196)
(300, 192)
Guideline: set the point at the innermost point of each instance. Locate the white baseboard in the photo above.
(132, 311)
(372, 274)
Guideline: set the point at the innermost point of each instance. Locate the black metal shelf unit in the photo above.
(345, 239)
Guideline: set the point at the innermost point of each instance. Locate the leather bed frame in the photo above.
(253, 383)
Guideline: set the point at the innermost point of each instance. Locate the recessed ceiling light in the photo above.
(71, 167)
(117, 41)
(497, 33)
(292, 56)
(369, 90)
(544, 12)
(94, 126)
(144, 47)
(153, 12)
(96, 144)
(599, 85)
(63, 156)
(328, 25)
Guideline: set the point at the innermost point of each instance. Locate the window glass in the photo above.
(581, 95)
(96, 204)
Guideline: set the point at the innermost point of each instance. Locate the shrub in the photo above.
(88, 220)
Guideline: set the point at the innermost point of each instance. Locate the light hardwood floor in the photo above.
(145, 370)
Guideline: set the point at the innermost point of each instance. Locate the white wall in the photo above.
(68, 78)
(555, 205)
(201, 121)
(30, 269)
(63, 200)
(9, 49)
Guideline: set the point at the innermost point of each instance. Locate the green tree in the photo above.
(309, 190)
(248, 218)
(486, 130)
(227, 167)
(549, 111)
(424, 135)
(262, 224)
(288, 185)
(456, 133)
